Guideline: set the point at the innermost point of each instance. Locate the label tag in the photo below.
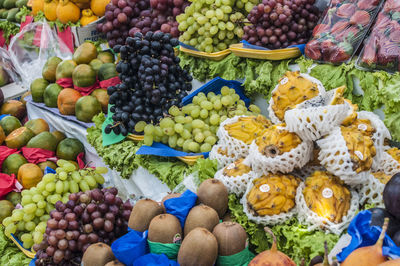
(327, 193)
(359, 155)
(284, 81)
(362, 127)
(264, 188)
(177, 239)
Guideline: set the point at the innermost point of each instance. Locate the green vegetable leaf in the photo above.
(10, 254)
(9, 29)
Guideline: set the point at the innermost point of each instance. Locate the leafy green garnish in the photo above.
(10, 254)
(9, 29)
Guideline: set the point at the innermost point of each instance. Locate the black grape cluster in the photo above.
(152, 81)
(281, 23)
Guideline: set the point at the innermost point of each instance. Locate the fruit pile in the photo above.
(83, 12)
(77, 86)
(81, 220)
(263, 160)
(212, 26)
(341, 31)
(11, 10)
(193, 127)
(152, 81)
(29, 223)
(4, 78)
(279, 24)
(126, 17)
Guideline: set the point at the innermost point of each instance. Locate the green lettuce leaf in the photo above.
(8, 29)
(206, 168)
(10, 254)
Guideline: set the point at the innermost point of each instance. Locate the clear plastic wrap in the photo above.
(342, 30)
(8, 73)
(31, 47)
(382, 47)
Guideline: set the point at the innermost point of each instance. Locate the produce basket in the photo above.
(244, 49)
(217, 56)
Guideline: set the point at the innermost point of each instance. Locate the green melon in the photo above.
(37, 89)
(12, 164)
(51, 95)
(69, 149)
(9, 124)
(44, 140)
(49, 69)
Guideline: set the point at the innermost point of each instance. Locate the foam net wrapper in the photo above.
(271, 112)
(234, 146)
(388, 165)
(268, 219)
(235, 184)
(333, 151)
(312, 123)
(222, 160)
(371, 191)
(381, 133)
(284, 163)
(308, 170)
(307, 216)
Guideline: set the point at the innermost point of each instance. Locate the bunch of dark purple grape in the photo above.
(87, 218)
(281, 23)
(152, 81)
(126, 17)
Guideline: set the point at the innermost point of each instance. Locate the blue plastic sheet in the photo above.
(362, 234)
(2, 116)
(187, 46)
(32, 263)
(49, 170)
(130, 247)
(154, 260)
(160, 149)
(256, 47)
(180, 207)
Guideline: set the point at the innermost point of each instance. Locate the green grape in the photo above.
(211, 95)
(45, 193)
(148, 140)
(206, 122)
(59, 187)
(214, 119)
(29, 216)
(203, 113)
(41, 186)
(248, 7)
(214, 21)
(61, 162)
(185, 146)
(83, 185)
(226, 10)
(66, 186)
(158, 131)
(193, 146)
(206, 105)
(217, 105)
(30, 208)
(59, 169)
(54, 198)
(193, 42)
(209, 2)
(183, 26)
(254, 108)
(41, 204)
(207, 26)
(188, 126)
(30, 226)
(208, 49)
(195, 113)
(44, 218)
(73, 187)
(222, 46)
(224, 91)
(180, 119)
(166, 122)
(239, 112)
(230, 25)
(26, 200)
(41, 227)
(226, 100)
(180, 142)
(211, 140)
(37, 237)
(219, 14)
(197, 123)
(226, 2)
(64, 199)
(50, 187)
(210, 13)
(164, 139)
(221, 25)
(221, 35)
(148, 129)
(186, 134)
(37, 197)
(76, 177)
(178, 128)
(49, 178)
(63, 176)
(207, 133)
(7, 221)
(202, 20)
(230, 35)
(169, 131)
(199, 137)
(218, 3)
(174, 111)
(18, 214)
(69, 167)
(172, 141)
(205, 147)
(223, 118)
(208, 41)
(201, 31)
(25, 192)
(188, 119)
(21, 226)
(10, 229)
(195, 100)
(239, 4)
(39, 212)
(91, 181)
(190, 20)
(195, 131)
(99, 179)
(139, 126)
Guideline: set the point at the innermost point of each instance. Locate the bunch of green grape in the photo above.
(29, 223)
(213, 25)
(193, 128)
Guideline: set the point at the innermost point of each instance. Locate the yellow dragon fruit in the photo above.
(248, 128)
(238, 168)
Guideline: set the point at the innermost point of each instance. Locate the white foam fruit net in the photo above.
(335, 157)
(235, 184)
(222, 160)
(268, 219)
(388, 165)
(234, 146)
(312, 123)
(307, 216)
(271, 112)
(284, 163)
(371, 191)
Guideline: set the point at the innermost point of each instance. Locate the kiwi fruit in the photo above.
(114, 263)
(199, 247)
(201, 216)
(142, 214)
(97, 254)
(231, 238)
(213, 193)
(164, 228)
(227, 217)
(169, 196)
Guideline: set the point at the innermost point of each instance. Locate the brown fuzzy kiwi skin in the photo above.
(199, 248)
(142, 214)
(169, 196)
(231, 238)
(228, 217)
(97, 254)
(213, 193)
(114, 263)
(201, 216)
(163, 228)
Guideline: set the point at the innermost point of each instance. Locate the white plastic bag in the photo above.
(8, 73)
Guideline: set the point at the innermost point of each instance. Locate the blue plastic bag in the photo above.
(256, 47)
(362, 234)
(49, 170)
(160, 149)
(180, 207)
(130, 246)
(154, 260)
(2, 116)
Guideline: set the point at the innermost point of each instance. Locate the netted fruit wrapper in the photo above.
(222, 159)
(371, 191)
(235, 184)
(388, 164)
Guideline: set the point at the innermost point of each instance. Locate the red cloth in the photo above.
(37, 155)
(65, 82)
(2, 39)
(66, 37)
(80, 161)
(7, 184)
(88, 90)
(110, 82)
(5, 152)
(40, 40)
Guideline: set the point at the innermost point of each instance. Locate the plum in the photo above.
(346, 10)
(360, 17)
(312, 50)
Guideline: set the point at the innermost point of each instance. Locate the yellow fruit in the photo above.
(37, 5)
(29, 175)
(88, 17)
(382, 177)
(289, 94)
(99, 7)
(395, 153)
(272, 194)
(248, 128)
(68, 12)
(338, 96)
(50, 9)
(238, 168)
(224, 152)
(327, 196)
(364, 126)
(276, 141)
(349, 119)
(360, 147)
